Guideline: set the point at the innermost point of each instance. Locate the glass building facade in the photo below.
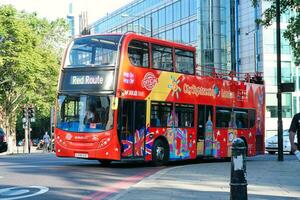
(258, 45)
(205, 24)
(225, 35)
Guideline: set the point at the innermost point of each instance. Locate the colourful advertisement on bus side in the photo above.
(154, 85)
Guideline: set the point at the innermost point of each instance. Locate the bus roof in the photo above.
(132, 35)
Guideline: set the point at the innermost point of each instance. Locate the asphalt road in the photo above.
(44, 176)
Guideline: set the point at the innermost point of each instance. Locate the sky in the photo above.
(52, 9)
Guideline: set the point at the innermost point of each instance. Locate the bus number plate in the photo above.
(81, 155)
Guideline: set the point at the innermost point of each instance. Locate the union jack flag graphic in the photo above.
(139, 142)
(149, 142)
(128, 147)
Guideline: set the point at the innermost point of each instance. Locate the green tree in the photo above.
(292, 33)
(30, 52)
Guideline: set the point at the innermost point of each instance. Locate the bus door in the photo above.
(204, 130)
(132, 128)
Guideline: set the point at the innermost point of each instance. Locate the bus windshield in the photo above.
(93, 51)
(84, 113)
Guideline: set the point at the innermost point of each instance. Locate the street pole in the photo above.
(51, 124)
(151, 25)
(29, 136)
(26, 129)
(279, 98)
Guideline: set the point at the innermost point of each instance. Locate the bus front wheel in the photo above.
(160, 155)
(105, 163)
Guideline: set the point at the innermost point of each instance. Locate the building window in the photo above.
(155, 20)
(162, 57)
(271, 105)
(176, 11)
(287, 105)
(286, 76)
(193, 7)
(185, 8)
(193, 31)
(162, 17)
(138, 53)
(169, 15)
(169, 35)
(185, 115)
(185, 32)
(160, 112)
(177, 34)
(184, 61)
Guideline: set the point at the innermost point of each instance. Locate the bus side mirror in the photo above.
(114, 104)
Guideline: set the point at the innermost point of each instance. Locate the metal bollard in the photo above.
(238, 181)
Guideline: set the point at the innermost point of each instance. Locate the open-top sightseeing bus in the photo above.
(134, 97)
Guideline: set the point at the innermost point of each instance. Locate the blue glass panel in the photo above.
(169, 15)
(193, 31)
(184, 8)
(177, 10)
(177, 34)
(193, 7)
(155, 20)
(185, 33)
(162, 17)
(169, 35)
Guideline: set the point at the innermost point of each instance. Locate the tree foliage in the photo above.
(30, 54)
(292, 33)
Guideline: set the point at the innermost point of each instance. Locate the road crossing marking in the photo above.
(13, 193)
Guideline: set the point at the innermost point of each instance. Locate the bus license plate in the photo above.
(81, 155)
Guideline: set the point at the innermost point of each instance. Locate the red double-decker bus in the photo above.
(135, 97)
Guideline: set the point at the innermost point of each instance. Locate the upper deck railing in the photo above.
(256, 77)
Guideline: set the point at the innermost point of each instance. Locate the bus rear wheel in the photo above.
(105, 163)
(160, 154)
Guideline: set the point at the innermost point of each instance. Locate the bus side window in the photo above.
(159, 114)
(205, 113)
(162, 57)
(251, 117)
(223, 117)
(184, 61)
(138, 53)
(241, 116)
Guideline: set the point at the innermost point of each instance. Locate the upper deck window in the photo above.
(184, 61)
(162, 57)
(93, 51)
(138, 53)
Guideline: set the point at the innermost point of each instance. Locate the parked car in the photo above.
(272, 144)
(3, 142)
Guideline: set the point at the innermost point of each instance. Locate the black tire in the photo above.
(271, 152)
(160, 153)
(105, 163)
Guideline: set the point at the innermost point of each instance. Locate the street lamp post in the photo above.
(136, 16)
(279, 97)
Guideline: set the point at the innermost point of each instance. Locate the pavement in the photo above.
(21, 150)
(267, 179)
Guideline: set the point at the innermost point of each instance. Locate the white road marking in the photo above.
(21, 192)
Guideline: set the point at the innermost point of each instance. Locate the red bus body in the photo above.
(138, 87)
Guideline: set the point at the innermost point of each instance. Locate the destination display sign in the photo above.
(87, 80)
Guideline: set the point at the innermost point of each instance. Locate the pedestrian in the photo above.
(295, 128)
(46, 139)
